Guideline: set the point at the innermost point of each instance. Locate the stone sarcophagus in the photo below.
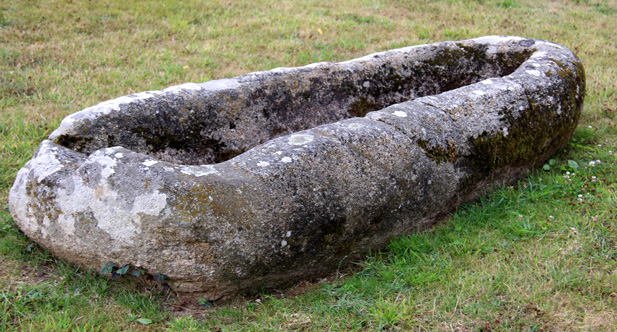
(261, 180)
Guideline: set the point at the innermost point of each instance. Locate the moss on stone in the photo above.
(362, 106)
(524, 144)
(510, 61)
(438, 153)
(563, 71)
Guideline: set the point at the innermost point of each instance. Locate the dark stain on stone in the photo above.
(361, 106)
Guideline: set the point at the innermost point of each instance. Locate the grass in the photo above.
(537, 256)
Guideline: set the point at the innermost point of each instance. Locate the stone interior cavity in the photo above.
(215, 121)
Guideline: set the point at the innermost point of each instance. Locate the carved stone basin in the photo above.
(261, 180)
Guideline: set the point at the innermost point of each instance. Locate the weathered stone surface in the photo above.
(264, 179)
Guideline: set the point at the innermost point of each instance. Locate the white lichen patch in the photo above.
(114, 105)
(300, 139)
(286, 160)
(376, 116)
(502, 85)
(107, 165)
(198, 171)
(119, 155)
(533, 72)
(67, 126)
(364, 58)
(400, 114)
(540, 54)
(149, 163)
(550, 44)
(316, 64)
(67, 223)
(479, 92)
(187, 86)
(487, 81)
(78, 198)
(19, 199)
(150, 204)
(263, 164)
(497, 39)
(354, 126)
(46, 221)
(108, 203)
(45, 163)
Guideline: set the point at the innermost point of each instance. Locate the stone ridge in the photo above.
(259, 181)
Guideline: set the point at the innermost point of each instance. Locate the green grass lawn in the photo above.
(540, 255)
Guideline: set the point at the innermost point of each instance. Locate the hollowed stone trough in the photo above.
(265, 179)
